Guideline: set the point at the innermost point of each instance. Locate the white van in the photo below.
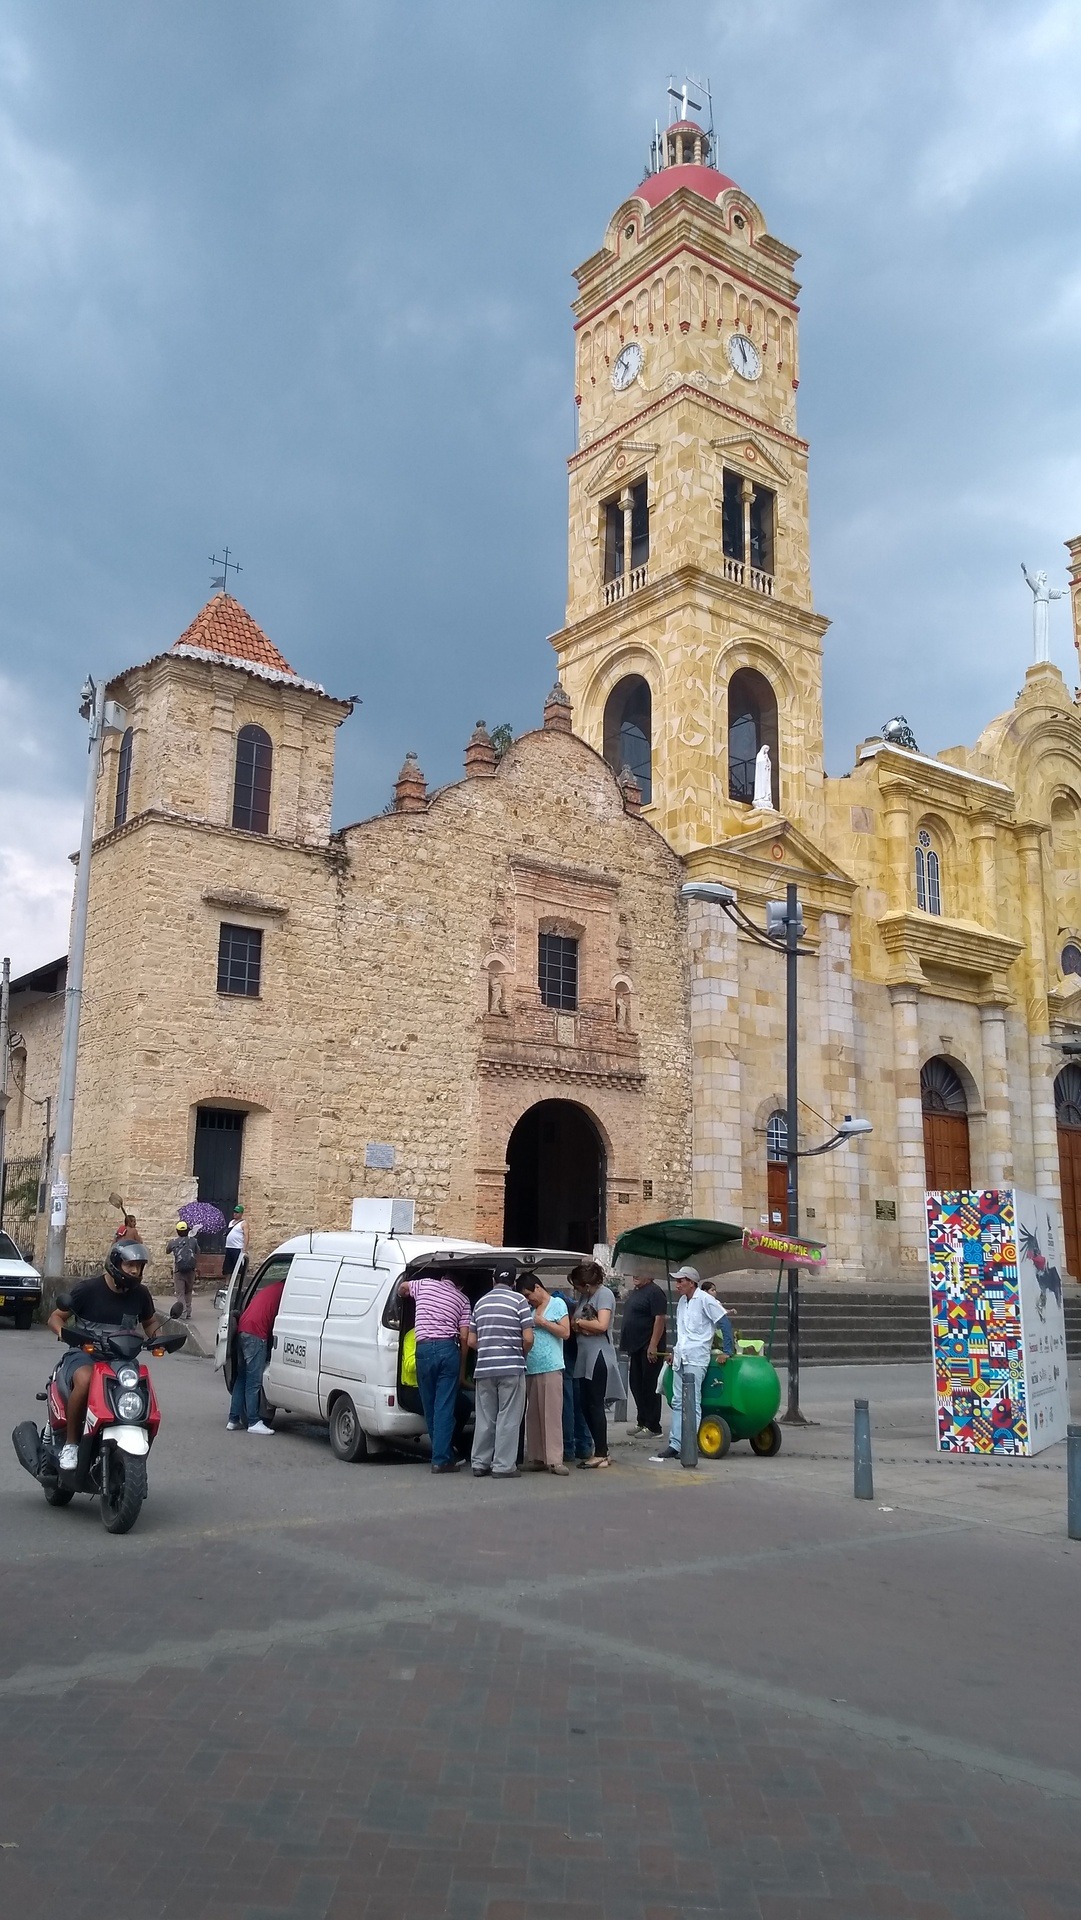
(336, 1349)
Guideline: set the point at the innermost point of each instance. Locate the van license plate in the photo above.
(294, 1353)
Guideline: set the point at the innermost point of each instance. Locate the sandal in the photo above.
(596, 1460)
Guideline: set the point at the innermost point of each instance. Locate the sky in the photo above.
(294, 275)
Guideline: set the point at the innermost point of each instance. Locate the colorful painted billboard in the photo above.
(997, 1322)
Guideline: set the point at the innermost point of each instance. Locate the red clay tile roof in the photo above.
(226, 628)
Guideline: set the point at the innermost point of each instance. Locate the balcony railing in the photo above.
(625, 583)
(742, 575)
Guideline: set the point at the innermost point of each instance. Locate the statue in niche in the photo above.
(763, 781)
(1041, 612)
(623, 1010)
(497, 991)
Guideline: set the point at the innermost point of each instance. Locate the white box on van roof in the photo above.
(383, 1216)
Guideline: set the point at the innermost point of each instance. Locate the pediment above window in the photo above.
(626, 461)
(753, 455)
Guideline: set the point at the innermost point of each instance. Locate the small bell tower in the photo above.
(691, 639)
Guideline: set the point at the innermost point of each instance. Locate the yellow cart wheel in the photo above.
(768, 1442)
(714, 1437)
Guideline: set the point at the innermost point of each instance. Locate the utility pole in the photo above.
(100, 717)
(793, 930)
(5, 996)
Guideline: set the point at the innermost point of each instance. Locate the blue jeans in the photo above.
(577, 1439)
(697, 1374)
(438, 1368)
(251, 1360)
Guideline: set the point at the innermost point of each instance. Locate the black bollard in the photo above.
(688, 1432)
(1073, 1482)
(863, 1484)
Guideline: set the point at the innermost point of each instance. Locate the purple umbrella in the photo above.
(202, 1216)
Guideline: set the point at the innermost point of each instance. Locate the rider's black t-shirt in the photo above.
(94, 1300)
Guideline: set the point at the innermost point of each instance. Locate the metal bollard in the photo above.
(688, 1432)
(863, 1484)
(1073, 1482)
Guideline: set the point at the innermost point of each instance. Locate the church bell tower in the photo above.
(690, 640)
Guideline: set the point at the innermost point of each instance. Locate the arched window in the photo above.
(752, 725)
(928, 874)
(251, 782)
(1068, 1119)
(777, 1170)
(945, 1128)
(628, 732)
(123, 780)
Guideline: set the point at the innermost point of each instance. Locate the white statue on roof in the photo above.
(1041, 618)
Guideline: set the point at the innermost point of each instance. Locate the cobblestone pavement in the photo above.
(303, 1691)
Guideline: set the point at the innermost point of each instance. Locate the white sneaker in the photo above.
(232, 1426)
(69, 1457)
(661, 1459)
(260, 1427)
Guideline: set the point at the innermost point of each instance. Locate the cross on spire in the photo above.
(221, 580)
(682, 96)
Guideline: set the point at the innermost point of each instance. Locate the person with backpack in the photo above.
(184, 1247)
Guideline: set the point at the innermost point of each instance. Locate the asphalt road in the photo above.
(305, 1691)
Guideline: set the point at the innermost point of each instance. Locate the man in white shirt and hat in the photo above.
(698, 1315)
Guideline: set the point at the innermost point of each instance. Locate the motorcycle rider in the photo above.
(116, 1297)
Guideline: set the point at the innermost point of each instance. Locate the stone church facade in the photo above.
(493, 998)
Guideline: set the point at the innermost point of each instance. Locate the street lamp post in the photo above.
(103, 716)
(784, 922)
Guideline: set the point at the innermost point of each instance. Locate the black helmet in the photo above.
(126, 1253)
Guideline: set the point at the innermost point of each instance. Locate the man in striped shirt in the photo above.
(442, 1323)
(501, 1330)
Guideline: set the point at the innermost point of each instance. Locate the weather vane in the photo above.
(221, 580)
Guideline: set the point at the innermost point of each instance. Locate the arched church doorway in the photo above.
(945, 1128)
(555, 1179)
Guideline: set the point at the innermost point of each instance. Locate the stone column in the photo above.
(626, 501)
(746, 494)
(897, 811)
(285, 803)
(983, 835)
(998, 1168)
(911, 1176)
(1040, 1073)
(222, 757)
(843, 1228)
(717, 1158)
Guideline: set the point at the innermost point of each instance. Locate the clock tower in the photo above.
(690, 641)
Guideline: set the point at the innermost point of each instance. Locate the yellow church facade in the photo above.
(494, 998)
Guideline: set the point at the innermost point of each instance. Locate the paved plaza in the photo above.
(306, 1691)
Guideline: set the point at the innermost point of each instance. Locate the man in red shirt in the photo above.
(253, 1334)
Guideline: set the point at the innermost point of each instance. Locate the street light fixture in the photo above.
(784, 922)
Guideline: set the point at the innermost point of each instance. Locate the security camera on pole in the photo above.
(784, 923)
(104, 716)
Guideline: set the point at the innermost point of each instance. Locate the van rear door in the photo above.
(292, 1376)
(350, 1346)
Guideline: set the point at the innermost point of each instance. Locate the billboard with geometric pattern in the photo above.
(997, 1322)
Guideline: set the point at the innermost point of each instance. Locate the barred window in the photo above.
(251, 780)
(123, 780)
(558, 972)
(240, 960)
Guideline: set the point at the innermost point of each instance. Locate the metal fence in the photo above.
(19, 1197)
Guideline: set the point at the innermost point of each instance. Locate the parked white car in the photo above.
(336, 1349)
(20, 1284)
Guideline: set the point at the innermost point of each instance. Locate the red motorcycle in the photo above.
(122, 1419)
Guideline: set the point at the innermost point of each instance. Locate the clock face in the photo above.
(627, 366)
(743, 356)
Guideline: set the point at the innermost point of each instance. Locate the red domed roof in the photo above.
(704, 180)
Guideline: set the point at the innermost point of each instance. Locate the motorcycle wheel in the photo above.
(58, 1496)
(127, 1491)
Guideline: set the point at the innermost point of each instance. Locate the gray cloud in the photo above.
(298, 278)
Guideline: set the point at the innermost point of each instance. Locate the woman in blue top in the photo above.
(544, 1378)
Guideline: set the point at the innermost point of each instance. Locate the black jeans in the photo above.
(592, 1395)
(644, 1375)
